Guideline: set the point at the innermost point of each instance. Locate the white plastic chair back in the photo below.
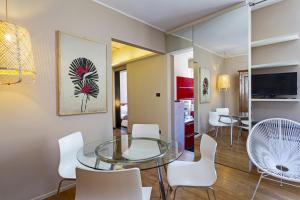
(109, 185)
(208, 147)
(145, 130)
(213, 118)
(68, 148)
(273, 145)
(222, 111)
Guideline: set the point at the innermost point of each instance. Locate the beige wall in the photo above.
(215, 64)
(30, 128)
(232, 66)
(278, 19)
(146, 78)
(175, 43)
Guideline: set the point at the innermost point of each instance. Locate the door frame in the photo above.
(116, 94)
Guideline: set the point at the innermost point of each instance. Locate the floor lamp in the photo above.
(223, 84)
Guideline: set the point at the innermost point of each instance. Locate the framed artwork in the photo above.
(205, 85)
(81, 75)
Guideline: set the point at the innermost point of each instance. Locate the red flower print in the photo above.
(86, 89)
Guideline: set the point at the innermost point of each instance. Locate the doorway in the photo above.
(121, 105)
(184, 93)
(123, 54)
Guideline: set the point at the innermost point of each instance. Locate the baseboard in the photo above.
(52, 193)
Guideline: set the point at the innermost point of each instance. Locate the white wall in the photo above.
(279, 19)
(232, 66)
(30, 128)
(215, 64)
(145, 78)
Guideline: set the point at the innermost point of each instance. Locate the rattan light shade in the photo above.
(16, 58)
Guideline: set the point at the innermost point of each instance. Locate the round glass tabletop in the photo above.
(126, 152)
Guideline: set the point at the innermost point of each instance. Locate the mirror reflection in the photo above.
(221, 56)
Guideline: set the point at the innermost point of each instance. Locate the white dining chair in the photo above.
(68, 148)
(111, 185)
(196, 174)
(148, 131)
(222, 111)
(227, 120)
(142, 149)
(145, 130)
(213, 120)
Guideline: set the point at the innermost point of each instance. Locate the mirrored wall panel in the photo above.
(220, 47)
(180, 47)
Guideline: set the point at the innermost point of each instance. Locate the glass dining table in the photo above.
(123, 152)
(231, 120)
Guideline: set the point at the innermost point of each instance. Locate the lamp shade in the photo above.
(16, 58)
(223, 82)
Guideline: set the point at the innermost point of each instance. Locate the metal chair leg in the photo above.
(207, 192)
(231, 134)
(216, 133)
(175, 193)
(239, 135)
(214, 193)
(169, 189)
(257, 185)
(58, 189)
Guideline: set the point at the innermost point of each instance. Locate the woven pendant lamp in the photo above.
(16, 58)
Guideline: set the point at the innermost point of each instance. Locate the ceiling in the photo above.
(115, 46)
(123, 53)
(225, 35)
(167, 14)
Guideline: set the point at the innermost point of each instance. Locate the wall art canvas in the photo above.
(81, 75)
(205, 85)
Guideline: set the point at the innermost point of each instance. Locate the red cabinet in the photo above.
(189, 135)
(184, 88)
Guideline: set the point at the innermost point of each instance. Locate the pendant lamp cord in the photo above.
(6, 17)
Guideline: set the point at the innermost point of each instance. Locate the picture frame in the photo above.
(205, 85)
(82, 75)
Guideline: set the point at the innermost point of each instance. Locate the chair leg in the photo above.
(207, 192)
(174, 196)
(257, 185)
(216, 133)
(169, 189)
(231, 134)
(58, 189)
(214, 193)
(239, 135)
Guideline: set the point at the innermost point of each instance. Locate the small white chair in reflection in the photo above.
(213, 120)
(196, 174)
(227, 119)
(68, 147)
(145, 130)
(111, 185)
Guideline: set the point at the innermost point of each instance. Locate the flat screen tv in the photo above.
(271, 85)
